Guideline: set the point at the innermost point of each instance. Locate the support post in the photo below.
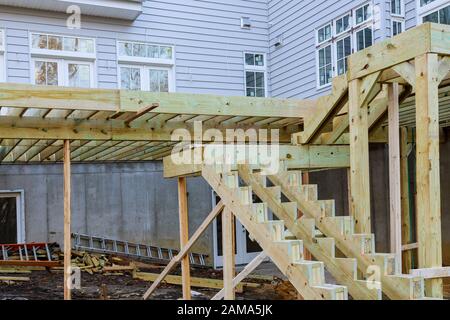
(405, 205)
(428, 173)
(67, 220)
(394, 173)
(228, 244)
(359, 158)
(184, 236)
(305, 180)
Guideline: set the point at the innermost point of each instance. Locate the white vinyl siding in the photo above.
(2, 57)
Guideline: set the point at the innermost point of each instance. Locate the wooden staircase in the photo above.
(308, 277)
(349, 257)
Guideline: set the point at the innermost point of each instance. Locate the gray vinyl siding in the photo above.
(410, 14)
(208, 40)
(293, 66)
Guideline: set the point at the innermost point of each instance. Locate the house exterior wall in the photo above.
(207, 35)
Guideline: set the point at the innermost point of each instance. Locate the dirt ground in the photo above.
(48, 285)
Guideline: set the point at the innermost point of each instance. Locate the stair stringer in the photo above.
(320, 248)
(394, 285)
(295, 272)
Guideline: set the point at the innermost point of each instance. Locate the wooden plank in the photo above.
(359, 159)
(228, 245)
(407, 71)
(444, 68)
(195, 281)
(140, 113)
(394, 173)
(210, 218)
(118, 130)
(431, 273)
(67, 221)
(405, 200)
(428, 171)
(30, 263)
(249, 268)
(51, 97)
(14, 279)
(189, 162)
(184, 236)
(410, 246)
(390, 52)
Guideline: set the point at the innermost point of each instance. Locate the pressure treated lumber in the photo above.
(210, 218)
(51, 97)
(405, 201)
(394, 173)
(228, 245)
(432, 273)
(359, 158)
(428, 171)
(67, 222)
(184, 236)
(249, 268)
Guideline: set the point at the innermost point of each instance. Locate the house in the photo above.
(255, 48)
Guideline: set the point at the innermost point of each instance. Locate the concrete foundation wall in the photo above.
(131, 202)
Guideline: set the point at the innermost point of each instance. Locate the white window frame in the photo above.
(145, 64)
(63, 76)
(145, 76)
(351, 31)
(425, 10)
(20, 209)
(2, 57)
(63, 59)
(402, 10)
(62, 53)
(397, 20)
(251, 68)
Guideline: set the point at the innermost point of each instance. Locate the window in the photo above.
(363, 14)
(146, 67)
(397, 27)
(364, 38)
(397, 8)
(2, 57)
(342, 24)
(338, 39)
(324, 34)
(343, 50)
(325, 66)
(255, 75)
(62, 60)
(437, 11)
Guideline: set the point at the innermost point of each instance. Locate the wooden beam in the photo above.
(428, 171)
(359, 159)
(444, 68)
(405, 200)
(118, 130)
(183, 252)
(249, 268)
(184, 236)
(51, 97)
(407, 71)
(189, 162)
(228, 244)
(67, 221)
(432, 273)
(140, 113)
(394, 173)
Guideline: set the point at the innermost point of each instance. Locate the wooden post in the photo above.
(406, 214)
(228, 244)
(184, 236)
(359, 159)
(428, 174)
(67, 220)
(305, 180)
(394, 173)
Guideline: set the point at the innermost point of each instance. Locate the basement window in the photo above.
(255, 75)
